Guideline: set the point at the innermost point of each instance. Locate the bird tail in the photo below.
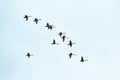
(86, 60)
(67, 37)
(74, 43)
(57, 43)
(29, 16)
(53, 26)
(81, 61)
(74, 54)
(39, 19)
(64, 33)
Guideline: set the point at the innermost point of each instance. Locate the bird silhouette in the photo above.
(47, 25)
(26, 17)
(36, 20)
(70, 55)
(70, 43)
(54, 42)
(29, 55)
(60, 34)
(82, 59)
(63, 37)
(51, 27)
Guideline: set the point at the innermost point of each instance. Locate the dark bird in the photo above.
(70, 55)
(54, 42)
(70, 43)
(47, 25)
(82, 59)
(51, 27)
(60, 34)
(29, 55)
(63, 37)
(26, 17)
(36, 20)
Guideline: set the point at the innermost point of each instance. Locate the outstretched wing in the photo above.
(82, 59)
(63, 38)
(47, 25)
(69, 56)
(54, 41)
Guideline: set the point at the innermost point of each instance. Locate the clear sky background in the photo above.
(93, 24)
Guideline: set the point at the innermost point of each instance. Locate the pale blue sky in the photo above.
(93, 24)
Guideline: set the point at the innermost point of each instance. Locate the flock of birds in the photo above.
(61, 34)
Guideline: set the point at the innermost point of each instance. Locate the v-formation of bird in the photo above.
(61, 34)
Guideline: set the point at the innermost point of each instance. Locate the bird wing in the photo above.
(63, 38)
(47, 24)
(69, 55)
(53, 41)
(60, 34)
(82, 58)
(36, 22)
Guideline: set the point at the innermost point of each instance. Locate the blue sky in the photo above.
(92, 24)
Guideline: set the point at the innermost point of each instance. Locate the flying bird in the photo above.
(51, 27)
(36, 20)
(54, 42)
(70, 55)
(26, 17)
(60, 34)
(70, 43)
(29, 55)
(63, 37)
(82, 59)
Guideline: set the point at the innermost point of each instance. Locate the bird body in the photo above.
(29, 55)
(36, 20)
(26, 17)
(70, 55)
(82, 59)
(54, 42)
(70, 43)
(60, 34)
(63, 37)
(51, 27)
